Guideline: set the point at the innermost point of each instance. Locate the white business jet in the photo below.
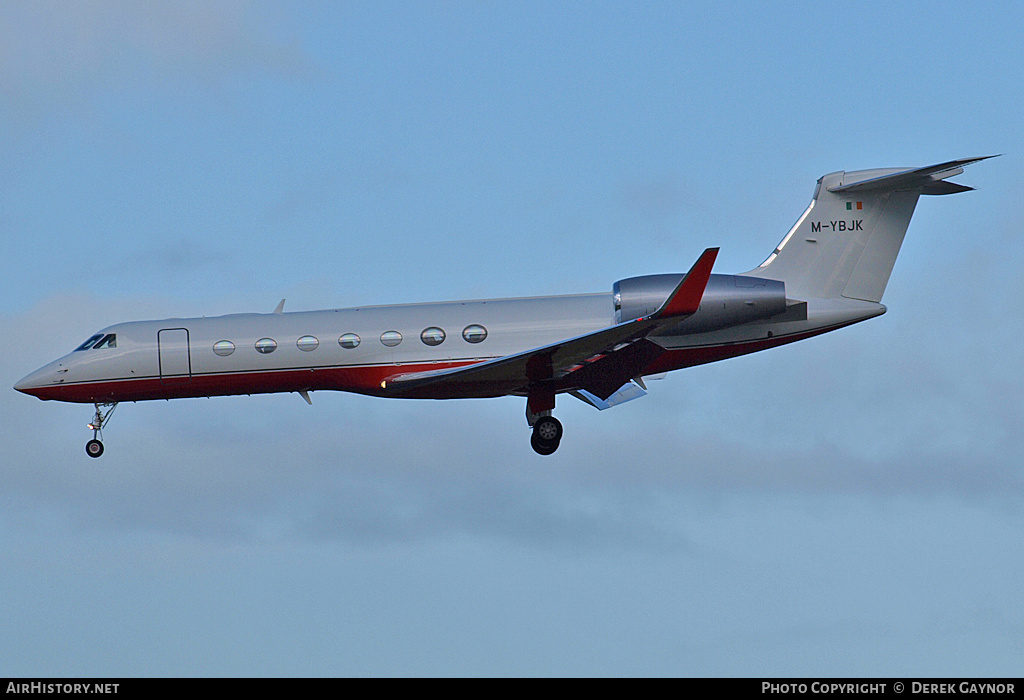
(828, 272)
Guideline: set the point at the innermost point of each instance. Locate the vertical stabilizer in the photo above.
(846, 242)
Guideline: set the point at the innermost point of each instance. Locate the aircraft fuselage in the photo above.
(353, 349)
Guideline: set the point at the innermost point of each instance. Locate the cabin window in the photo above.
(474, 333)
(432, 336)
(109, 341)
(307, 343)
(391, 338)
(349, 341)
(223, 347)
(265, 346)
(88, 344)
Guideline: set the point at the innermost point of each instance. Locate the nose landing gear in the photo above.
(94, 448)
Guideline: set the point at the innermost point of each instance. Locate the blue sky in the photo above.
(849, 505)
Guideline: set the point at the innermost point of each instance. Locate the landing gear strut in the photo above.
(94, 448)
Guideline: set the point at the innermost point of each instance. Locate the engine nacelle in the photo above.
(728, 300)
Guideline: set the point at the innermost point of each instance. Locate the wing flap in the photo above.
(605, 375)
(627, 392)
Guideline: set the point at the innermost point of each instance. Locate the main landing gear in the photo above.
(94, 448)
(547, 433)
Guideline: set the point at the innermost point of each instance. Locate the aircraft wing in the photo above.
(599, 362)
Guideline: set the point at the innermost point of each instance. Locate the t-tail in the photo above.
(845, 244)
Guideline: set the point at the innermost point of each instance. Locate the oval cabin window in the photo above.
(474, 333)
(432, 336)
(265, 346)
(391, 338)
(307, 343)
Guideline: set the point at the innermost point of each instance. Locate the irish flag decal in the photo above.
(850, 205)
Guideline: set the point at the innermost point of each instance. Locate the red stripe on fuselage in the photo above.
(362, 379)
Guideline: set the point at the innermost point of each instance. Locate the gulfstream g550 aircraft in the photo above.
(829, 271)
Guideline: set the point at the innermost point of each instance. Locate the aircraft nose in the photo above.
(39, 379)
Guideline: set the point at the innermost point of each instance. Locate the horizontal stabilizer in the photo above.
(926, 179)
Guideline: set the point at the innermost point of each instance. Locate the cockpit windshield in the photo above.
(88, 344)
(104, 341)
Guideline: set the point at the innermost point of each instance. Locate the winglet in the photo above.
(685, 299)
(280, 308)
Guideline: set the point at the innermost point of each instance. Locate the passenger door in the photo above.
(175, 359)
